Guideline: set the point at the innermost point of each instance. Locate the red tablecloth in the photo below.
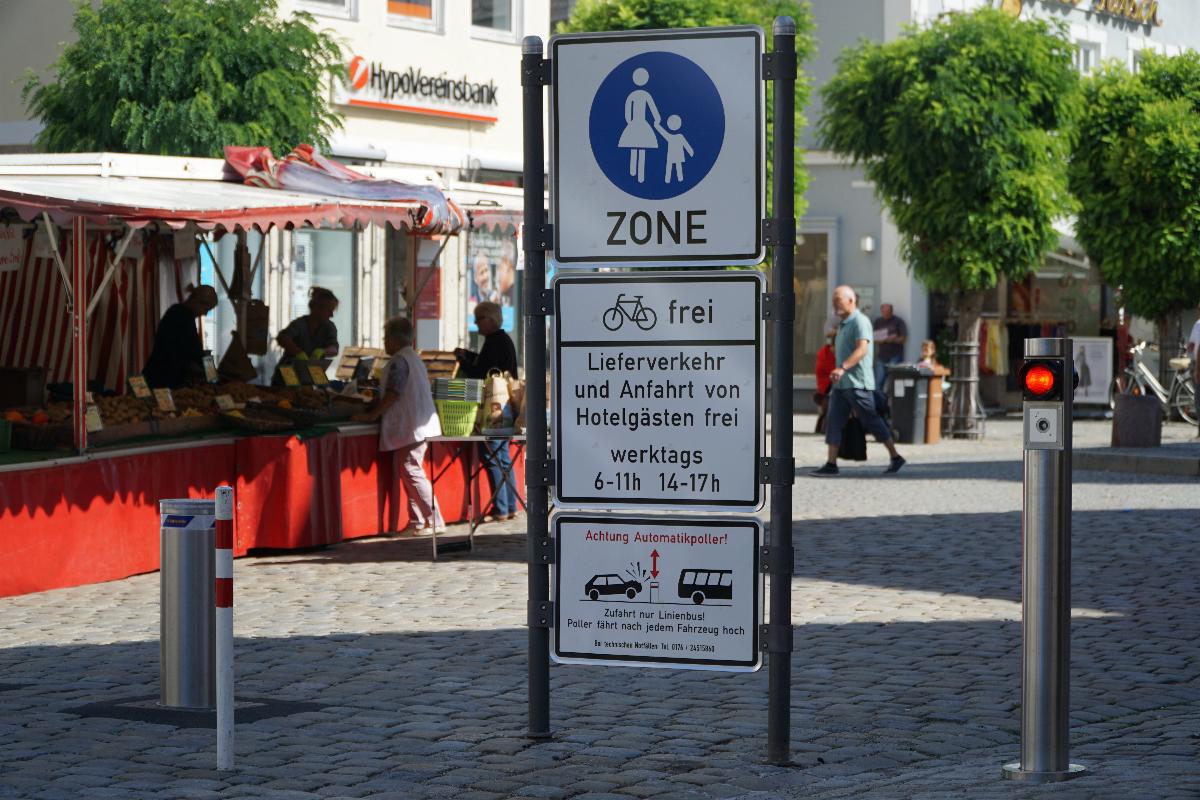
(96, 519)
(288, 492)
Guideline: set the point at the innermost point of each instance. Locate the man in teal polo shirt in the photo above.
(853, 383)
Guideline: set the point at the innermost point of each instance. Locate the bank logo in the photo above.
(359, 71)
(656, 125)
(633, 310)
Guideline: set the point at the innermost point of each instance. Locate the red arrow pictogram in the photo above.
(654, 564)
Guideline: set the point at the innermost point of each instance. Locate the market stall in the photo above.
(94, 246)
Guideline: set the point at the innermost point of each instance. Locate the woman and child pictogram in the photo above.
(641, 135)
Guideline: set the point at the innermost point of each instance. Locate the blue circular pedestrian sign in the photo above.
(656, 125)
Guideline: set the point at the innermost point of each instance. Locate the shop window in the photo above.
(496, 19)
(812, 299)
(423, 15)
(326, 258)
(344, 9)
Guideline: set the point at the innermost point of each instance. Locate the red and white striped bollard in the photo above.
(223, 596)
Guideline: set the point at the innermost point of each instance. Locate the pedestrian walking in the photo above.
(853, 384)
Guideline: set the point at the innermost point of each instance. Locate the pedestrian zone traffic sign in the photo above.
(657, 385)
(657, 147)
(681, 592)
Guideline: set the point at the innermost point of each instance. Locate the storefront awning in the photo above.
(175, 202)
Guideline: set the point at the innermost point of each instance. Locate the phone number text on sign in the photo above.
(658, 391)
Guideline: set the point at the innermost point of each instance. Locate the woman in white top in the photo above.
(407, 418)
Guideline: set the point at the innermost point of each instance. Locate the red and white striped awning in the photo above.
(175, 202)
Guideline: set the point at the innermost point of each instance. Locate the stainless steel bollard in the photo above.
(1047, 380)
(187, 631)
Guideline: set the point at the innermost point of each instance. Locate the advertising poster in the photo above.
(492, 268)
(1094, 363)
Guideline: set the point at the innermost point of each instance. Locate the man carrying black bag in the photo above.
(853, 384)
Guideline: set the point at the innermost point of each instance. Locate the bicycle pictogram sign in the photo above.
(633, 310)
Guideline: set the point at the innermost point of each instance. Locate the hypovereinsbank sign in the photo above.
(414, 89)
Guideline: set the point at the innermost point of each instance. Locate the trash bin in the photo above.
(187, 626)
(908, 396)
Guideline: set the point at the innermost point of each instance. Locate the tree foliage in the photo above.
(186, 77)
(620, 15)
(1136, 172)
(960, 127)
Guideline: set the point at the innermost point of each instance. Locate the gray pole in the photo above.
(536, 465)
(781, 556)
(1046, 595)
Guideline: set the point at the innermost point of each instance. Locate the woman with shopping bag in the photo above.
(498, 355)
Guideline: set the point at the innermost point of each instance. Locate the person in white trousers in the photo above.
(407, 418)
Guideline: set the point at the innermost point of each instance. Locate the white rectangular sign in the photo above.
(657, 142)
(657, 591)
(658, 390)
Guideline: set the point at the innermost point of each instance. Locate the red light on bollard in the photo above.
(1040, 380)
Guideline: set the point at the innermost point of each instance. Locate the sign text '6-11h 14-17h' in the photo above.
(657, 148)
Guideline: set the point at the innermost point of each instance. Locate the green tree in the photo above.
(186, 77)
(960, 126)
(1136, 172)
(621, 15)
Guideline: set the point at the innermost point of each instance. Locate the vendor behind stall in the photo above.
(177, 352)
(312, 336)
(498, 353)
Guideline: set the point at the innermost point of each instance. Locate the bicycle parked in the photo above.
(1138, 380)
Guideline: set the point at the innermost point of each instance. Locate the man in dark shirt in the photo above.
(177, 350)
(498, 353)
(890, 335)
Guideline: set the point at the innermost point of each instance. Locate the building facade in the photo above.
(430, 95)
(847, 237)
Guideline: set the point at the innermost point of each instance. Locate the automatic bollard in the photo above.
(187, 633)
(1048, 382)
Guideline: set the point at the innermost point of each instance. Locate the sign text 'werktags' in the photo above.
(657, 386)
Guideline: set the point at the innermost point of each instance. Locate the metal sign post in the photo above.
(537, 470)
(780, 469)
(1047, 379)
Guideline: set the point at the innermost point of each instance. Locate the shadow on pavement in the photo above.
(447, 708)
(1120, 559)
(989, 470)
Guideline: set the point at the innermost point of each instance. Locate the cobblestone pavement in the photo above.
(906, 606)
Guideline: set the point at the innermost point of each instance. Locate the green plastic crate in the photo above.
(457, 416)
